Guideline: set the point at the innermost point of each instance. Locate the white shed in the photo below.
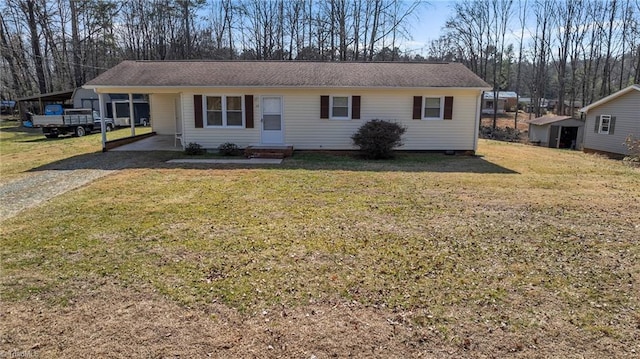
(556, 132)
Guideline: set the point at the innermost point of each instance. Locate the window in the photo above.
(340, 109)
(224, 111)
(605, 124)
(433, 108)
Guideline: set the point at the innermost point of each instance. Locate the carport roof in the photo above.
(50, 96)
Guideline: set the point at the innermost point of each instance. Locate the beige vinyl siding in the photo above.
(210, 137)
(626, 110)
(311, 132)
(163, 113)
(304, 129)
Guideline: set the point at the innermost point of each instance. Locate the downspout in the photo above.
(103, 128)
(184, 139)
(477, 126)
(131, 115)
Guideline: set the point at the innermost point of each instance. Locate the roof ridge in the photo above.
(297, 61)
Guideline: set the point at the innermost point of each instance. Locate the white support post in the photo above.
(131, 119)
(103, 127)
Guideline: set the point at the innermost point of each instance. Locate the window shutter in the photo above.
(197, 110)
(417, 107)
(324, 106)
(355, 107)
(597, 124)
(248, 111)
(612, 125)
(448, 108)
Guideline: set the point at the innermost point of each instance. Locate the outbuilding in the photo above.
(556, 131)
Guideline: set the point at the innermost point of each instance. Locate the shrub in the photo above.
(501, 134)
(633, 144)
(377, 138)
(228, 149)
(194, 149)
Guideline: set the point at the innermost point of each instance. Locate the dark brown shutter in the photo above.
(324, 106)
(248, 111)
(448, 108)
(612, 125)
(417, 107)
(597, 124)
(197, 110)
(355, 107)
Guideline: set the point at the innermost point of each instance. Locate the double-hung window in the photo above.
(340, 108)
(224, 111)
(605, 124)
(433, 108)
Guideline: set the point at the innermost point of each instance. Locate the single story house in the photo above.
(307, 105)
(556, 131)
(507, 101)
(609, 121)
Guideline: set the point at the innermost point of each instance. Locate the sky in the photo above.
(428, 24)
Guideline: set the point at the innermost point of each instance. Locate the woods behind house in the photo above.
(574, 51)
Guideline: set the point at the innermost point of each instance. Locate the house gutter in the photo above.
(173, 87)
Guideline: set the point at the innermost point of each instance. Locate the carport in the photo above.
(64, 97)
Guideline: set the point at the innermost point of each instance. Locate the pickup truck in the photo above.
(78, 121)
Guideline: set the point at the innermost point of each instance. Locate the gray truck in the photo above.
(76, 121)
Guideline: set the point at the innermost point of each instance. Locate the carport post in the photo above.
(133, 123)
(103, 128)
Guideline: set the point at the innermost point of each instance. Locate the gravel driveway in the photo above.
(41, 186)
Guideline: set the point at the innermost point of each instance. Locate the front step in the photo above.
(268, 151)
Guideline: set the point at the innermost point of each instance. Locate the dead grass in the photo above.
(525, 252)
(23, 148)
(505, 121)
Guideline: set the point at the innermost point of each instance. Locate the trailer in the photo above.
(118, 110)
(116, 106)
(59, 121)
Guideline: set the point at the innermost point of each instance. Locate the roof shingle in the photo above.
(287, 74)
(545, 120)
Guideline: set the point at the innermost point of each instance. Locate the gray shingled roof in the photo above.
(545, 120)
(288, 74)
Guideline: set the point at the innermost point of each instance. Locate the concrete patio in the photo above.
(153, 143)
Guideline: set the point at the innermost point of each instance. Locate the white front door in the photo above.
(272, 120)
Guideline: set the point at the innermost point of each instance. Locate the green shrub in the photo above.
(228, 149)
(633, 145)
(378, 138)
(194, 149)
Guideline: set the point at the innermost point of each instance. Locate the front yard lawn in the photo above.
(523, 252)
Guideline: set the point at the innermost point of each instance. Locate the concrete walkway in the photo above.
(153, 143)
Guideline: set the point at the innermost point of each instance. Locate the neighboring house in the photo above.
(506, 102)
(572, 108)
(307, 105)
(556, 131)
(609, 121)
(528, 104)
